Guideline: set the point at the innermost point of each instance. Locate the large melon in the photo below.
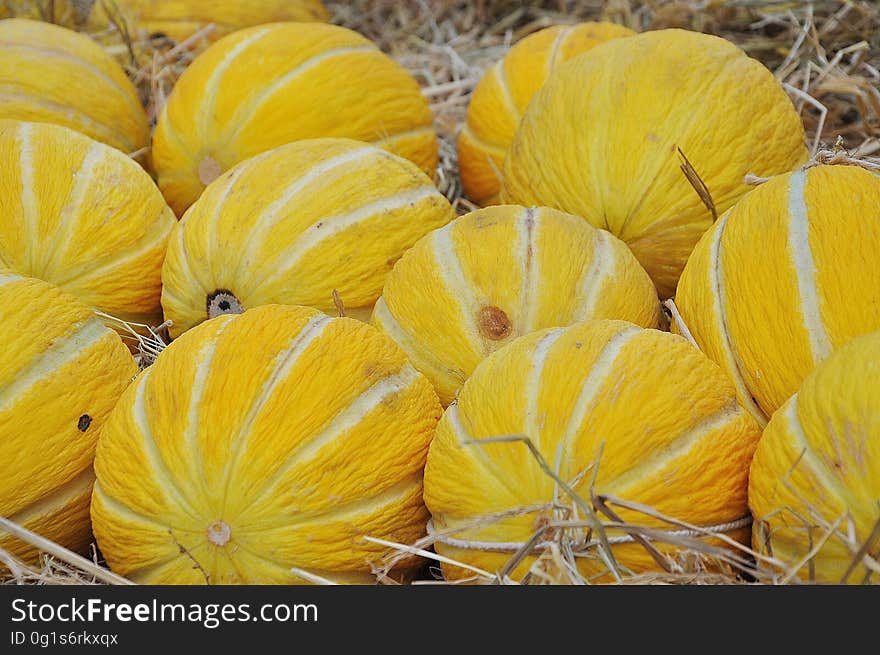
(601, 140)
(263, 445)
(641, 414)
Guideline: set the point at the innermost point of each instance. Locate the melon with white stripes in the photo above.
(815, 479)
(784, 278)
(640, 414)
(61, 372)
(264, 448)
(469, 288)
(502, 95)
(50, 74)
(603, 139)
(296, 224)
(82, 215)
(265, 86)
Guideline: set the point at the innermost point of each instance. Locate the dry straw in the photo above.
(826, 53)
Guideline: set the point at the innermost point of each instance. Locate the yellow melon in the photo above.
(82, 215)
(666, 418)
(61, 372)
(260, 443)
(265, 86)
(465, 290)
(601, 140)
(815, 479)
(50, 74)
(180, 19)
(785, 277)
(294, 224)
(502, 95)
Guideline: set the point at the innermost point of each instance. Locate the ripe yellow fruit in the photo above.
(465, 290)
(816, 472)
(665, 417)
(180, 19)
(61, 372)
(265, 86)
(785, 277)
(504, 92)
(82, 215)
(50, 74)
(294, 224)
(601, 139)
(261, 442)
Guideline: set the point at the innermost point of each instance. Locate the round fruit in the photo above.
(61, 372)
(295, 224)
(785, 277)
(83, 216)
(504, 92)
(465, 290)
(265, 86)
(816, 473)
(602, 138)
(665, 418)
(260, 443)
(180, 19)
(49, 74)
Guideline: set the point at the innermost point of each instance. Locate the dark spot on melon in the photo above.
(494, 323)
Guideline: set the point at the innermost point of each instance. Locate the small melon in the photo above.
(815, 479)
(181, 19)
(295, 224)
(502, 95)
(784, 278)
(81, 215)
(61, 372)
(266, 86)
(50, 74)
(471, 287)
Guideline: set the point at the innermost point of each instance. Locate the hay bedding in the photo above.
(825, 52)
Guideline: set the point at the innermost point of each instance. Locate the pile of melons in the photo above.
(352, 364)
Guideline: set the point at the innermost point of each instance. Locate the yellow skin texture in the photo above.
(600, 140)
(265, 86)
(674, 438)
(504, 92)
(300, 432)
(58, 363)
(819, 461)
(83, 216)
(180, 19)
(773, 289)
(50, 74)
(538, 267)
(293, 224)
